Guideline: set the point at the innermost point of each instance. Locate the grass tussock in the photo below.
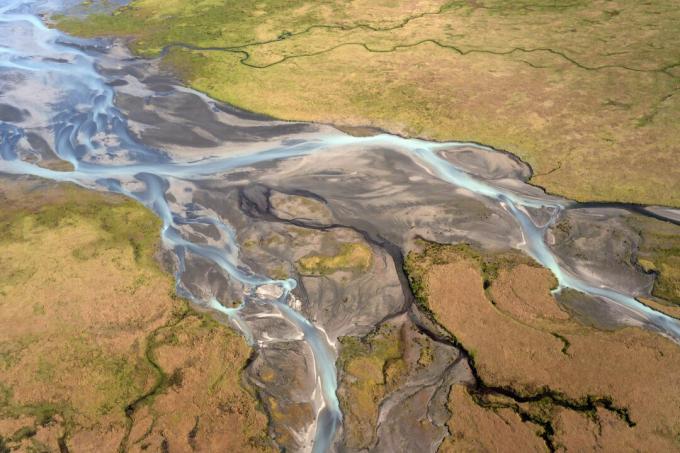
(659, 252)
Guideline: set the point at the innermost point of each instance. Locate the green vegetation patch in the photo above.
(120, 221)
(155, 23)
(659, 252)
(353, 256)
(372, 367)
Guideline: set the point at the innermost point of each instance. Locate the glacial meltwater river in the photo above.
(52, 91)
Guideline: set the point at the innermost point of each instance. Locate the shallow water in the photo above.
(53, 87)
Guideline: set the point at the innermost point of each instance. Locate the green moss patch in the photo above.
(354, 256)
(371, 367)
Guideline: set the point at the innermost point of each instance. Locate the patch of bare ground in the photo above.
(582, 385)
(96, 353)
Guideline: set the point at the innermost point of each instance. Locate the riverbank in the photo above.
(595, 123)
(219, 72)
(535, 361)
(97, 352)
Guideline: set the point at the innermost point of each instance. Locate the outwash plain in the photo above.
(246, 226)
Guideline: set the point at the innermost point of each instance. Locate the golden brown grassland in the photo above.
(499, 307)
(96, 353)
